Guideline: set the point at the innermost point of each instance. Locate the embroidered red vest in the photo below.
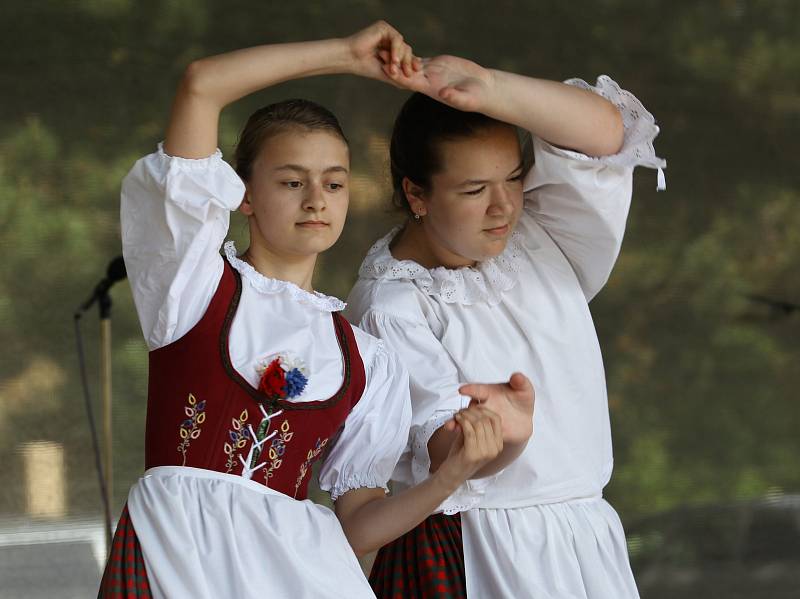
(204, 414)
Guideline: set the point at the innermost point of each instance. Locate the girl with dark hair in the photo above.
(254, 376)
(492, 273)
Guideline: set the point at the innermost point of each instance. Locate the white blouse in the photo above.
(175, 216)
(525, 310)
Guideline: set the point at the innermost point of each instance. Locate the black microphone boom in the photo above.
(115, 272)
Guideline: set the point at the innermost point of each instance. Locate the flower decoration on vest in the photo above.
(283, 376)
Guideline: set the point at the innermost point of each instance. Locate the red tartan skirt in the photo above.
(425, 563)
(125, 576)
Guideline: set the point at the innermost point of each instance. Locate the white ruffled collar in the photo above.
(264, 284)
(485, 282)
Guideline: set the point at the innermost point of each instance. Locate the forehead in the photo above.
(313, 150)
(488, 153)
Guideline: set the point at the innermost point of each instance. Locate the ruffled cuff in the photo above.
(212, 161)
(467, 495)
(356, 481)
(192, 182)
(640, 130)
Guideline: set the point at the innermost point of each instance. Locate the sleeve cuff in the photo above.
(470, 493)
(191, 163)
(356, 481)
(640, 130)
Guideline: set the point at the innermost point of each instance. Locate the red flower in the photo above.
(273, 380)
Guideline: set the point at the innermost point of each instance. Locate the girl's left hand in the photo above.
(457, 82)
(380, 52)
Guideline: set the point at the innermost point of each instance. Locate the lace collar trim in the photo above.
(267, 285)
(484, 282)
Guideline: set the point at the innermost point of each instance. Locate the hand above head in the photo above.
(512, 401)
(379, 52)
(457, 82)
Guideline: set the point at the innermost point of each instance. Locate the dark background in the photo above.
(703, 380)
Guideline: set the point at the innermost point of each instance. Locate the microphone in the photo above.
(115, 272)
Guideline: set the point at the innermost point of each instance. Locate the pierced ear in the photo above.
(415, 196)
(246, 207)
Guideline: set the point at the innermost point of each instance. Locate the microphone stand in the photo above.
(104, 302)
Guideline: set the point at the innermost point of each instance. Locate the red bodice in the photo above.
(204, 414)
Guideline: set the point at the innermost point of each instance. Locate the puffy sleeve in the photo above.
(434, 382)
(375, 433)
(582, 202)
(175, 214)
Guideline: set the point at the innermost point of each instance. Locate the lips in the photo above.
(313, 224)
(501, 230)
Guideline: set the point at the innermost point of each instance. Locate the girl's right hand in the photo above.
(479, 440)
(379, 52)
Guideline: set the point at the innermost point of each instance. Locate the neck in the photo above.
(295, 269)
(414, 243)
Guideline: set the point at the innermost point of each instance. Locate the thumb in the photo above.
(519, 382)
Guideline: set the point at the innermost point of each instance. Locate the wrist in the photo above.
(445, 481)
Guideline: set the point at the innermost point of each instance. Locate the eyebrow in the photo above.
(302, 169)
(484, 181)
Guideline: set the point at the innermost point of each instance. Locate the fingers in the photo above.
(482, 430)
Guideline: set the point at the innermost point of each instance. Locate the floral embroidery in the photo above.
(312, 454)
(190, 428)
(282, 376)
(277, 448)
(238, 436)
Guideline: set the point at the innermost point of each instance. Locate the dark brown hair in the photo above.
(277, 118)
(418, 129)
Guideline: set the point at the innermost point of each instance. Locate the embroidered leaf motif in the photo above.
(272, 453)
(189, 411)
(236, 425)
(201, 406)
(201, 418)
(184, 433)
(285, 426)
(192, 399)
(228, 448)
(241, 443)
(310, 454)
(243, 416)
(277, 463)
(288, 436)
(195, 433)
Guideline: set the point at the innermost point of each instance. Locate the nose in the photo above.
(314, 200)
(501, 201)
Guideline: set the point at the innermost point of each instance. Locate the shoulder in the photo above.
(398, 297)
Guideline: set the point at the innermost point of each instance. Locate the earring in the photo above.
(416, 216)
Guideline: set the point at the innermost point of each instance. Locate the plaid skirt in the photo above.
(125, 576)
(425, 563)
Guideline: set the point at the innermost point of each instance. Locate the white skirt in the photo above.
(570, 550)
(209, 535)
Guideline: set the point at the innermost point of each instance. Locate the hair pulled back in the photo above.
(278, 118)
(418, 129)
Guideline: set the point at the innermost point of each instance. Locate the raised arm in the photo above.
(561, 114)
(210, 84)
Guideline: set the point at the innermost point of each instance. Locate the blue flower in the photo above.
(295, 382)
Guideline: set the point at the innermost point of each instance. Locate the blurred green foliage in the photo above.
(703, 382)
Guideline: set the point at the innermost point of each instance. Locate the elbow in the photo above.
(195, 78)
(614, 130)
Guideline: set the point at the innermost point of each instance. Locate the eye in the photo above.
(293, 184)
(475, 192)
(335, 186)
(516, 177)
